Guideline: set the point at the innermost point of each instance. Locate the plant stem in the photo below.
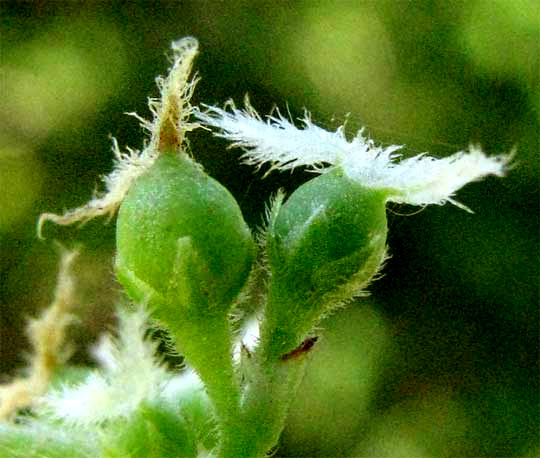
(267, 398)
(205, 340)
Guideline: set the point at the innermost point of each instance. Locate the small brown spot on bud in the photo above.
(302, 349)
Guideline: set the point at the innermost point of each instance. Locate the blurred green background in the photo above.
(442, 359)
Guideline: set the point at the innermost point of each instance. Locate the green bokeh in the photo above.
(459, 296)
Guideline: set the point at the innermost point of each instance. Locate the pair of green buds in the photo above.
(183, 246)
(184, 249)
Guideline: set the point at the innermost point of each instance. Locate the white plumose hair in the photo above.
(420, 180)
(130, 374)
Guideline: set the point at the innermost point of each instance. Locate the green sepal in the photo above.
(324, 244)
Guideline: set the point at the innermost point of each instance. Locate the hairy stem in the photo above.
(272, 385)
(205, 340)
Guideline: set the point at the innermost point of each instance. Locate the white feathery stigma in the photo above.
(167, 130)
(420, 180)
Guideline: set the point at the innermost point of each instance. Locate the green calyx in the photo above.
(325, 244)
(180, 233)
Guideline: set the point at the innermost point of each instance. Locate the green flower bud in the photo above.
(325, 245)
(184, 249)
(181, 238)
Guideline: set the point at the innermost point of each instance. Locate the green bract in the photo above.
(181, 233)
(324, 246)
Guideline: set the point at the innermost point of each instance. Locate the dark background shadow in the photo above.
(458, 304)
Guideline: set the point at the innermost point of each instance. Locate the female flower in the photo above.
(328, 240)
